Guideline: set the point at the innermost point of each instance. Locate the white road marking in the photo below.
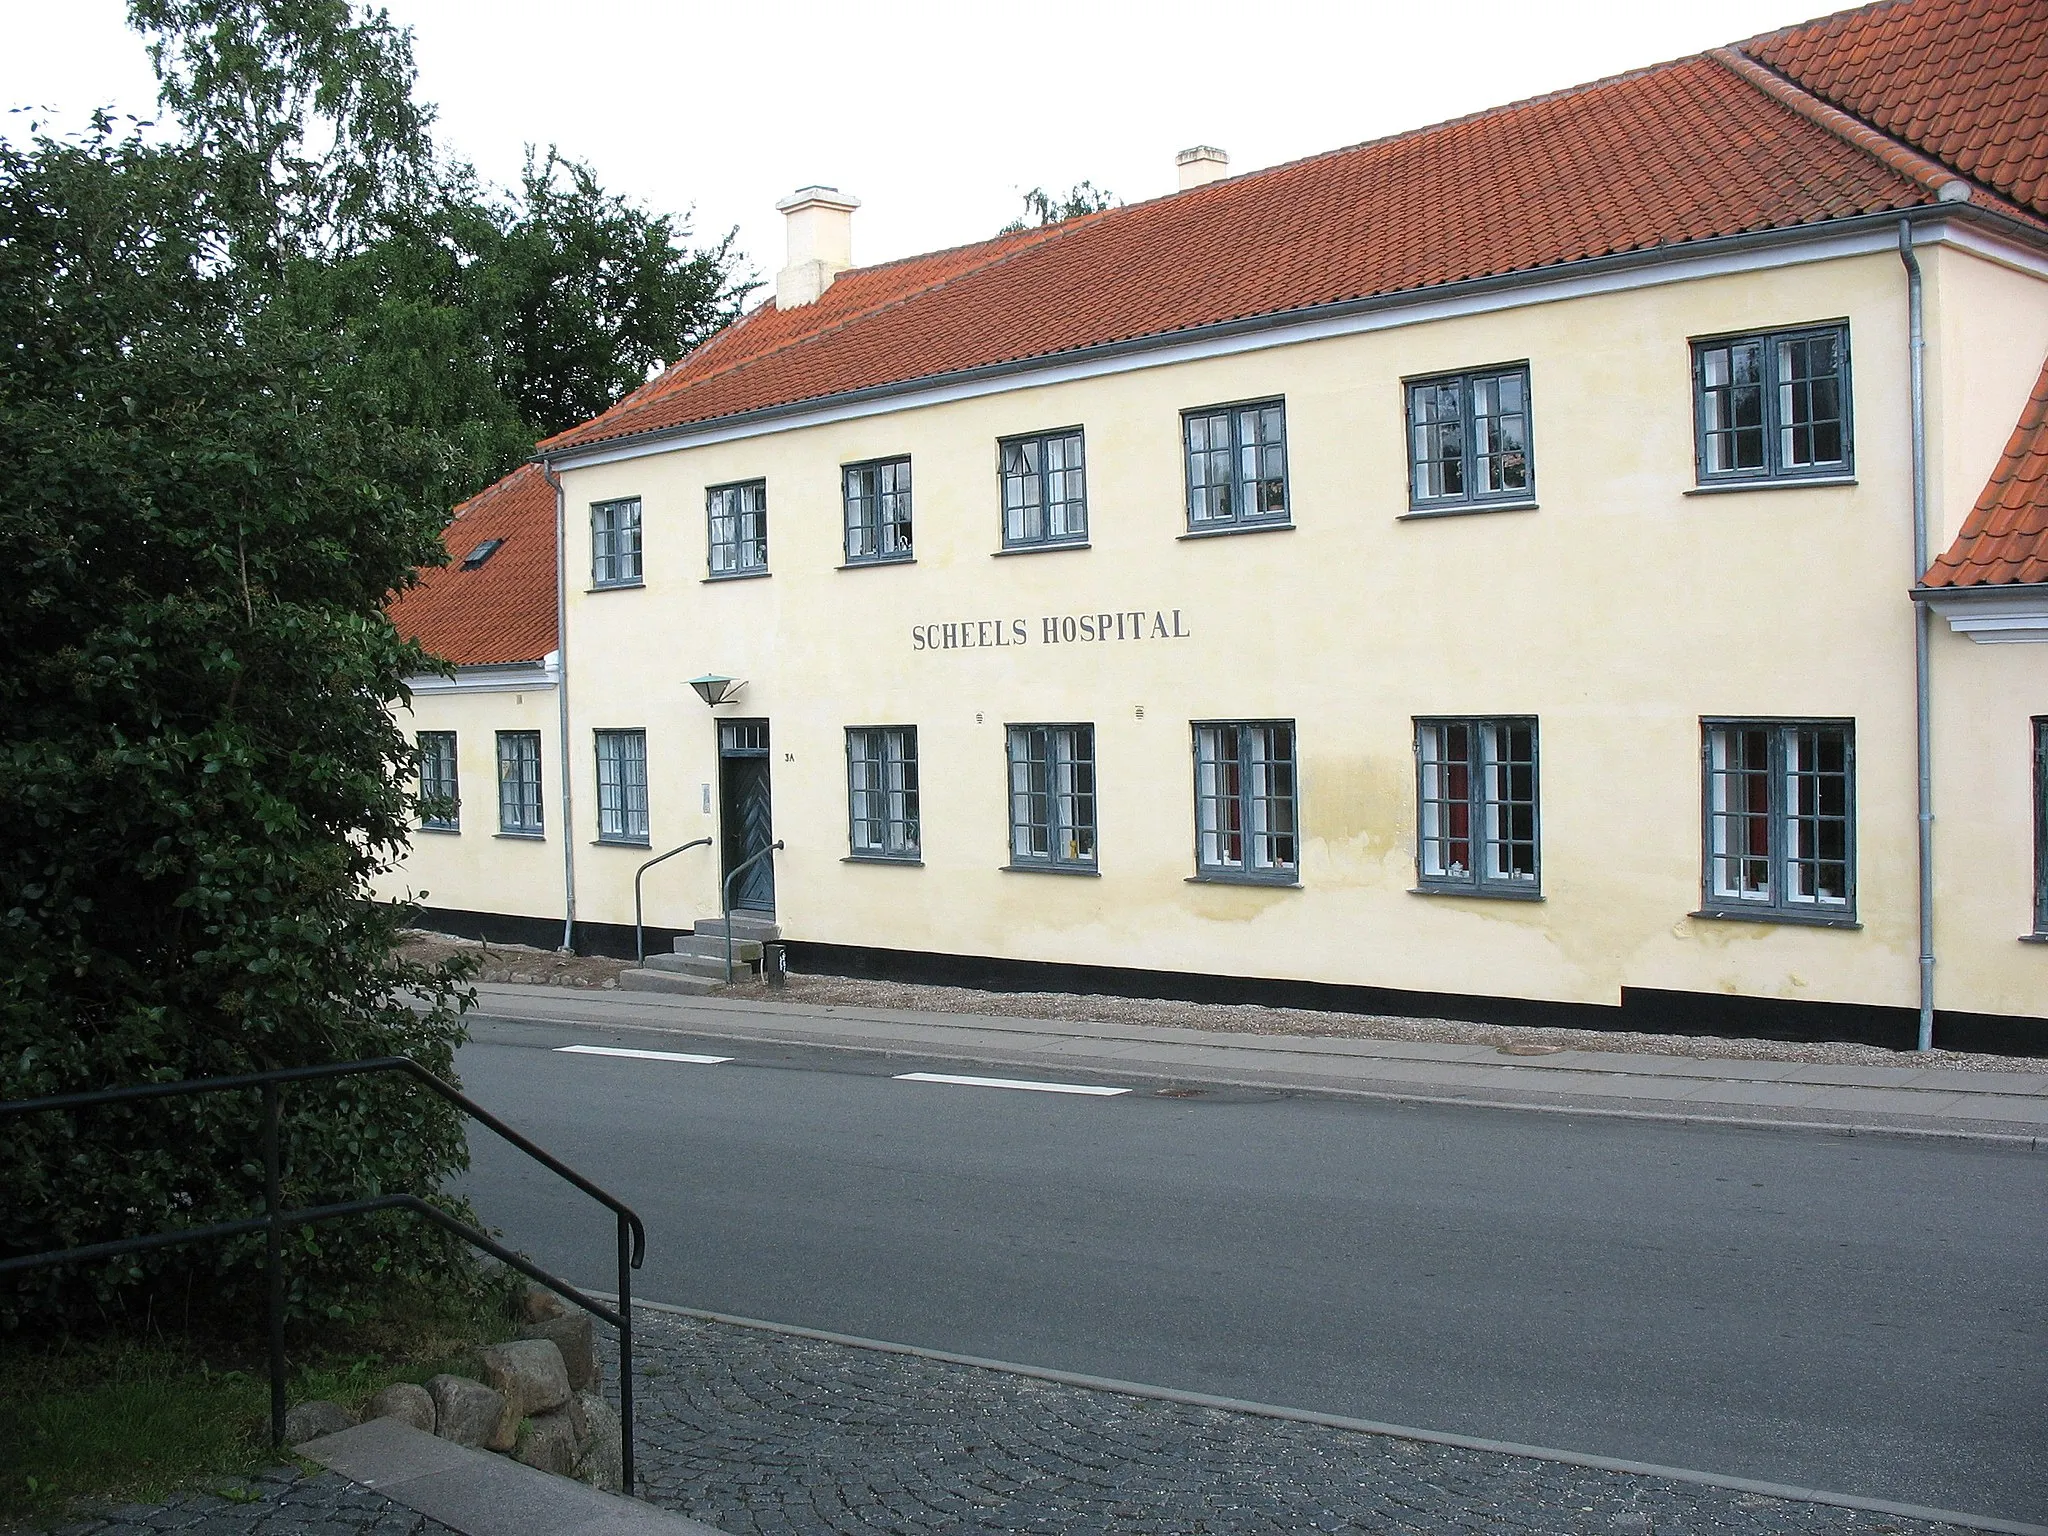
(618, 1050)
(1009, 1082)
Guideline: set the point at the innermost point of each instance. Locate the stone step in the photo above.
(712, 945)
(712, 966)
(667, 981)
(745, 925)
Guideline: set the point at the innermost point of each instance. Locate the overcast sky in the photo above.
(936, 116)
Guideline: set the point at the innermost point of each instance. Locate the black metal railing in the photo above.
(639, 934)
(275, 1220)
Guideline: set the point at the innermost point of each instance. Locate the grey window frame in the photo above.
(1771, 421)
(520, 814)
(1780, 854)
(1246, 799)
(868, 516)
(1064, 822)
(1241, 488)
(620, 801)
(1467, 381)
(2041, 826)
(437, 788)
(882, 820)
(738, 542)
(1044, 502)
(615, 543)
(1487, 810)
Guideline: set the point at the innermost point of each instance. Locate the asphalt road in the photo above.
(1862, 1314)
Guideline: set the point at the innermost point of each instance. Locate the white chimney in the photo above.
(820, 230)
(1202, 164)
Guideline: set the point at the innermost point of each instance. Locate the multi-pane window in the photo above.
(881, 791)
(519, 783)
(1476, 806)
(1773, 406)
(877, 511)
(2041, 827)
(1237, 464)
(739, 527)
(1468, 438)
(1245, 822)
(1052, 796)
(1045, 489)
(1780, 818)
(615, 543)
(440, 797)
(622, 786)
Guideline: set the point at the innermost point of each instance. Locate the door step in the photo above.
(745, 925)
(668, 981)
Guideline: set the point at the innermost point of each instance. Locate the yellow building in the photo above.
(1472, 573)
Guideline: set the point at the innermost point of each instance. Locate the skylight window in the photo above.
(481, 553)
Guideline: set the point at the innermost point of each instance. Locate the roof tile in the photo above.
(504, 610)
(2004, 540)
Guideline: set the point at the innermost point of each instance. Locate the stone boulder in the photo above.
(531, 1378)
(548, 1441)
(537, 1304)
(405, 1401)
(571, 1334)
(309, 1421)
(468, 1412)
(601, 1460)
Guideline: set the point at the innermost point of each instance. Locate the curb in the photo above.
(1785, 1491)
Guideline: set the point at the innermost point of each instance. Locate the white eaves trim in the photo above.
(1866, 240)
(516, 678)
(2020, 618)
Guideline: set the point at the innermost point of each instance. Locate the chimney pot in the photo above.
(818, 222)
(1202, 164)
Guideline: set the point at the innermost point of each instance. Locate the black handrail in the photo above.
(725, 898)
(640, 943)
(632, 1235)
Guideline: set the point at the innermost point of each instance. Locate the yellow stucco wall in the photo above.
(1619, 613)
(474, 869)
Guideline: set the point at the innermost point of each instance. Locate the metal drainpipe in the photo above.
(1916, 341)
(562, 702)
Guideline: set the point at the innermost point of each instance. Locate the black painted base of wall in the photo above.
(614, 941)
(1641, 1008)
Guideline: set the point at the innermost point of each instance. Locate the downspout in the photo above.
(562, 704)
(1916, 343)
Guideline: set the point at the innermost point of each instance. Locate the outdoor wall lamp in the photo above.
(715, 690)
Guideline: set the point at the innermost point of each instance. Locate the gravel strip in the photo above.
(767, 1434)
(512, 963)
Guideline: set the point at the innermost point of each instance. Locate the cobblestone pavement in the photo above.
(759, 1432)
(281, 1502)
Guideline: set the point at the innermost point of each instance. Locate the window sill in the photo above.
(882, 858)
(612, 586)
(1236, 528)
(1038, 549)
(1769, 483)
(738, 576)
(2034, 938)
(621, 842)
(443, 831)
(864, 565)
(1466, 509)
(1477, 892)
(522, 837)
(1270, 882)
(1776, 915)
(1051, 869)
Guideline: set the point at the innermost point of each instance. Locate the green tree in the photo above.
(199, 769)
(1042, 207)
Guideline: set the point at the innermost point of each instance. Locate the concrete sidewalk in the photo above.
(2004, 1107)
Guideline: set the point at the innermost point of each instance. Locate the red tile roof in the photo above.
(1966, 81)
(1708, 146)
(2004, 540)
(504, 610)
